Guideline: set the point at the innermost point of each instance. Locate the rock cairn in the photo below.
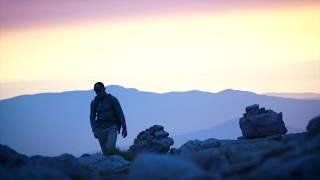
(259, 122)
(154, 139)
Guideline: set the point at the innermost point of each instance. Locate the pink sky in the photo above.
(160, 46)
(17, 13)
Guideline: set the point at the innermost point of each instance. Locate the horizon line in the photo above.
(172, 91)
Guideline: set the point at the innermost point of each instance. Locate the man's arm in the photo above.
(119, 112)
(92, 116)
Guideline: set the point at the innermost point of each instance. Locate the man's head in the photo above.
(99, 88)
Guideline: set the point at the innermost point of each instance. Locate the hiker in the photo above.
(106, 119)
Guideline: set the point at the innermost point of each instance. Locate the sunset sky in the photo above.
(160, 46)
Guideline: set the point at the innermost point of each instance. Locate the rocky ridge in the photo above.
(264, 152)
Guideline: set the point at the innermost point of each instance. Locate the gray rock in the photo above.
(155, 128)
(271, 169)
(312, 145)
(252, 108)
(16, 166)
(197, 145)
(10, 158)
(66, 164)
(158, 167)
(104, 164)
(241, 137)
(314, 125)
(301, 167)
(161, 134)
(237, 151)
(85, 155)
(208, 160)
(153, 139)
(257, 123)
(304, 166)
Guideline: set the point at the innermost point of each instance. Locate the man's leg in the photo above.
(107, 139)
(103, 142)
(111, 140)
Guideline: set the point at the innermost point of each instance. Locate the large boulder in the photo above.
(259, 122)
(9, 158)
(17, 166)
(160, 166)
(153, 139)
(299, 161)
(208, 160)
(101, 164)
(314, 125)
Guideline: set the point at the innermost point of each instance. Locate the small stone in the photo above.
(161, 134)
(156, 128)
(252, 107)
(85, 155)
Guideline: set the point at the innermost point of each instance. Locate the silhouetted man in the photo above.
(106, 119)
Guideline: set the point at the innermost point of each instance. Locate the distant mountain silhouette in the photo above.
(314, 96)
(53, 123)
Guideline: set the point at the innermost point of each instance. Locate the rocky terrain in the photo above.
(264, 151)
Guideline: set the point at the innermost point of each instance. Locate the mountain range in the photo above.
(53, 123)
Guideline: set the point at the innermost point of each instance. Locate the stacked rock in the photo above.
(259, 122)
(153, 139)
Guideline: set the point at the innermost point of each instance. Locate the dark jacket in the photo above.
(106, 111)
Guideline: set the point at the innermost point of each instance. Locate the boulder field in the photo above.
(264, 151)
